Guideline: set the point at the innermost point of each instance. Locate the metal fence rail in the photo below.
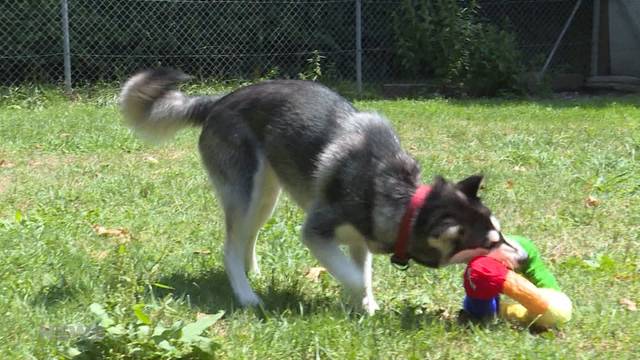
(231, 39)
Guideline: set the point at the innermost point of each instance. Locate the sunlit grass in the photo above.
(565, 173)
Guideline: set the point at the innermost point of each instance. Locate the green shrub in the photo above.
(138, 334)
(442, 40)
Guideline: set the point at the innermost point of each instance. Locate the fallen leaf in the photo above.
(120, 233)
(151, 159)
(99, 255)
(623, 277)
(509, 184)
(314, 273)
(35, 162)
(519, 168)
(630, 305)
(202, 252)
(446, 315)
(6, 164)
(4, 184)
(591, 202)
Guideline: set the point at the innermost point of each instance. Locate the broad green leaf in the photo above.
(163, 286)
(117, 330)
(142, 317)
(207, 346)
(99, 311)
(143, 331)
(159, 330)
(73, 352)
(165, 345)
(193, 330)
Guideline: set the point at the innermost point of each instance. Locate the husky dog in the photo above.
(345, 168)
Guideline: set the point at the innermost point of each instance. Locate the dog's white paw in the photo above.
(370, 305)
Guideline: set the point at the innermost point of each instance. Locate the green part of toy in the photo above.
(534, 268)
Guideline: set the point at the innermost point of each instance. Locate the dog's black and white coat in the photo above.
(343, 167)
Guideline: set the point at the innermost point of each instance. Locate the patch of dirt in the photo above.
(164, 155)
(46, 161)
(6, 164)
(5, 183)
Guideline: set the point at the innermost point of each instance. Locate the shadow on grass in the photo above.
(51, 296)
(211, 292)
(593, 99)
(414, 317)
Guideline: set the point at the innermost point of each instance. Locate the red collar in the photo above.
(418, 199)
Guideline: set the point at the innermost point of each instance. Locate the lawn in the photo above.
(91, 215)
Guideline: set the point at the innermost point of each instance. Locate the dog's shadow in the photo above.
(211, 292)
(414, 317)
(53, 295)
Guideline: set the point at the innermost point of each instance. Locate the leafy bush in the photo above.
(138, 335)
(442, 40)
(313, 69)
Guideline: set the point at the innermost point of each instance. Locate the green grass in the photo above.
(69, 166)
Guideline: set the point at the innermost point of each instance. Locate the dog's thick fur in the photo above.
(343, 167)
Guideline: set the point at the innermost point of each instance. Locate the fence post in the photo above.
(559, 39)
(359, 45)
(66, 47)
(595, 39)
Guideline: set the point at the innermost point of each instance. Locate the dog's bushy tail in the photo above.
(156, 110)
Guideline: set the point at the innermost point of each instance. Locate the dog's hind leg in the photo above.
(245, 213)
(248, 191)
(266, 190)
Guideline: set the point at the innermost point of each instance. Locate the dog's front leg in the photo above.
(323, 245)
(362, 257)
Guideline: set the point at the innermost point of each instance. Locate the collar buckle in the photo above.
(399, 263)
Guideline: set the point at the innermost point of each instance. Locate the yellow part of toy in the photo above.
(525, 292)
(558, 312)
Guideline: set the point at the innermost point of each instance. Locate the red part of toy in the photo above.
(484, 277)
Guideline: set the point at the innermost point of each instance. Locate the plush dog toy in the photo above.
(539, 300)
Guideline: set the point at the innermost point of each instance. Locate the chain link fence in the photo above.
(537, 25)
(234, 39)
(30, 41)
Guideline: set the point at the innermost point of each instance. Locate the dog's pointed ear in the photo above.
(470, 186)
(439, 181)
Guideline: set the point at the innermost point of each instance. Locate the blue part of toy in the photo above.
(482, 309)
